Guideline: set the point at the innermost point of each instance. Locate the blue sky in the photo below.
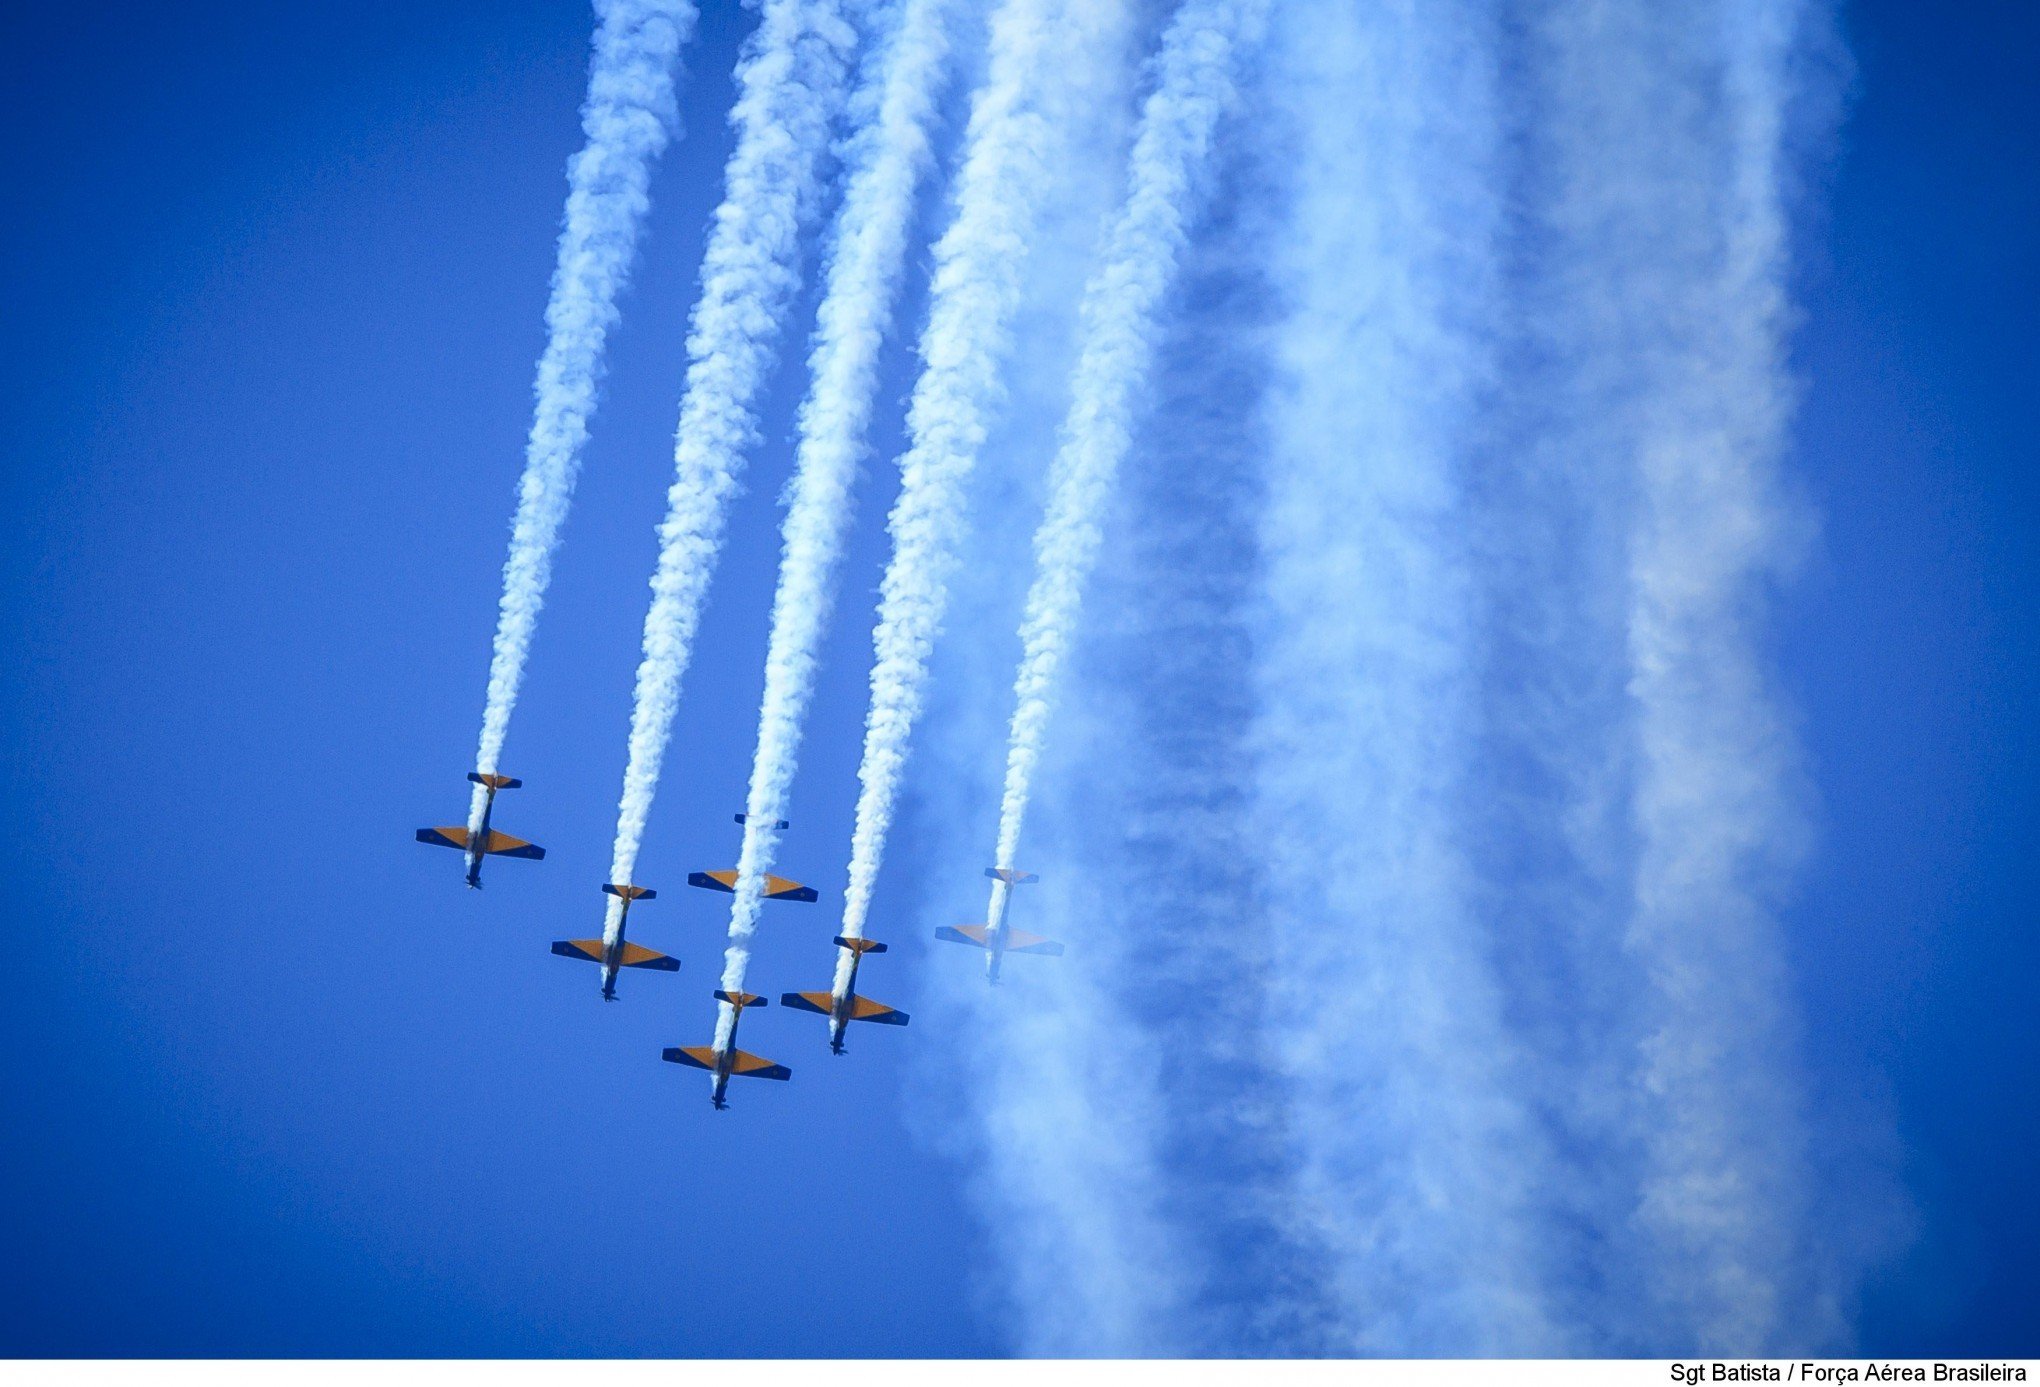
(1905, 651)
(276, 1084)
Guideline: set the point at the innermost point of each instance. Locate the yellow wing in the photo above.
(758, 1067)
(638, 956)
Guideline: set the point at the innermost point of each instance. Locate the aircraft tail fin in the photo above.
(740, 1000)
(496, 782)
(629, 893)
(860, 946)
(1010, 876)
(780, 824)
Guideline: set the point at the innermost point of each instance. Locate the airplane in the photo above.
(998, 939)
(843, 1005)
(776, 888)
(488, 842)
(623, 955)
(730, 1060)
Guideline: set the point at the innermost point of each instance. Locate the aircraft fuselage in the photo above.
(839, 1005)
(612, 954)
(725, 1062)
(995, 933)
(478, 844)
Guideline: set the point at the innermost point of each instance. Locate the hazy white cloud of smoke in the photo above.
(1667, 127)
(1526, 277)
(1417, 1161)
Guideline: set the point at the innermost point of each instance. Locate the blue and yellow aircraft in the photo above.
(722, 1063)
(843, 1005)
(487, 843)
(998, 939)
(622, 954)
(776, 888)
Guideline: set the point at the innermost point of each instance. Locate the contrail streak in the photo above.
(977, 283)
(888, 155)
(788, 85)
(1416, 1162)
(1683, 245)
(1722, 1191)
(627, 118)
(1195, 88)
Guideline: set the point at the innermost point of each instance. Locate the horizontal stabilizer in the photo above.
(1009, 876)
(696, 1056)
(629, 893)
(779, 824)
(966, 934)
(638, 956)
(449, 837)
(817, 1002)
(860, 946)
(776, 888)
(503, 845)
(1019, 941)
(590, 949)
(758, 1067)
(864, 1009)
(496, 782)
(740, 1000)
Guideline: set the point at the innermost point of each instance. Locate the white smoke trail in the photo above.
(788, 85)
(1012, 139)
(1722, 1190)
(1119, 1119)
(888, 156)
(1195, 86)
(1047, 1106)
(1415, 1076)
(1417, 1165)
(1684, 239)
(627, 118)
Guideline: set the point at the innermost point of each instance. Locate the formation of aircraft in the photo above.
(613, 952)
(487, 842)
